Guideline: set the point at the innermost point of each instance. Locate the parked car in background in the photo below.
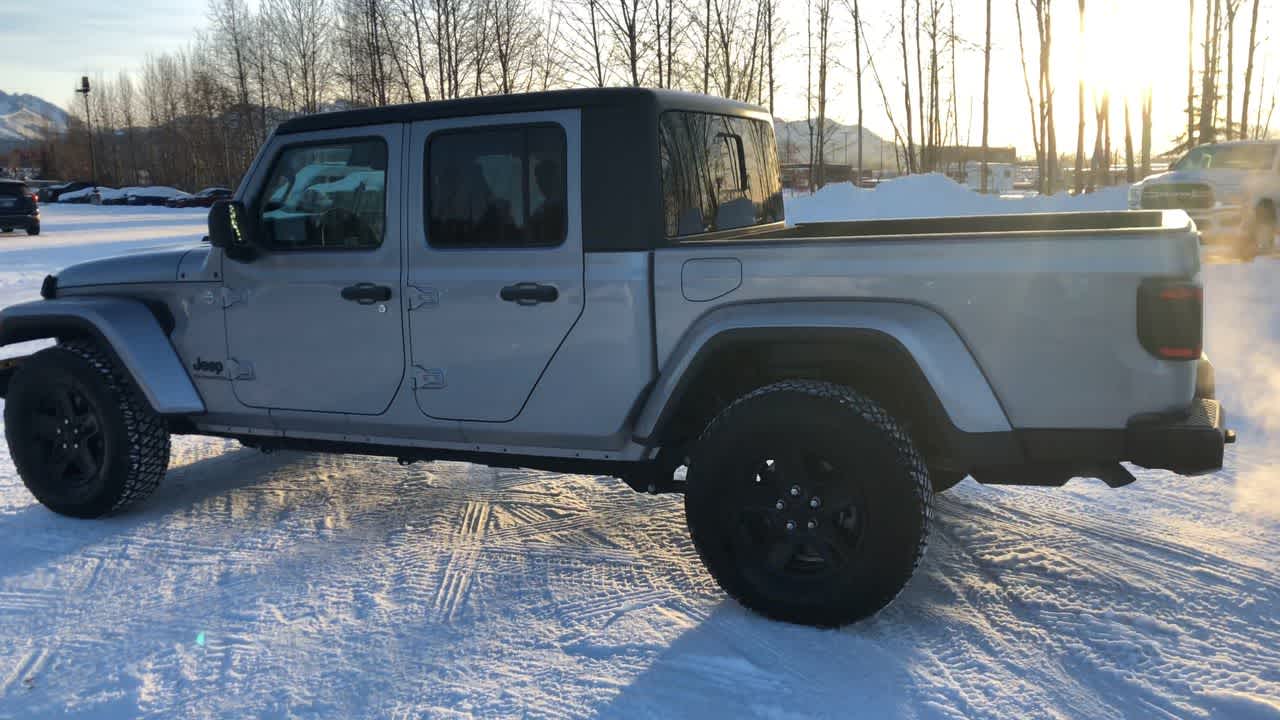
(152, 195)
(53, 193)
(1230, 189)
(205, 198)
(19, 207)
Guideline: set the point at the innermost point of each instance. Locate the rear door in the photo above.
(315, 322)
(494, 258)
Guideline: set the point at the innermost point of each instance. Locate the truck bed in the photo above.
(1040, 223)
(1045, 303)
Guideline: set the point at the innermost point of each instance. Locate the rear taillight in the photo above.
(35, 200)
(1171, 318)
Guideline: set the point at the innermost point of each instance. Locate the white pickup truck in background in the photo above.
(1230, 189)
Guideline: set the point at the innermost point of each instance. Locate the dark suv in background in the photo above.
(205, 198)
(18, 207)
(51, 193)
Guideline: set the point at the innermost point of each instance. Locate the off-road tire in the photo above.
(131, 442)
(849, 448)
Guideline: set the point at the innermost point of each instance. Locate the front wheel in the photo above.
(81, 437)
(808, 503)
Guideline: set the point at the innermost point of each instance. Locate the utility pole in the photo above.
(88, 123)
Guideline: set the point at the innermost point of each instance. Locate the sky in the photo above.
(1128, 45)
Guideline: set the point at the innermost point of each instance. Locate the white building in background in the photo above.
(1000, 177)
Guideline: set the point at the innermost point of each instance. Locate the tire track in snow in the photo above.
(460, 568)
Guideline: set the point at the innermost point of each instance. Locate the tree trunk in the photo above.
(1248, 72)
(986, 98)
(857, 59)
(925, 134)
(1191, 74)
(1146, 133)
(1079, 184)
(706, 51)
(1232, 7)
(1128, 145)
(824, 18)
(1026, 83)
(769, 43)
(906, 86)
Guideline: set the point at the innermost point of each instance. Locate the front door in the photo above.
(495, 259)
(314, 323)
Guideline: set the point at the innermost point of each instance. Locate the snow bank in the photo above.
(934, 195)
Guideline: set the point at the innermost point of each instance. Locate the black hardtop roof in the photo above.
(641, 99)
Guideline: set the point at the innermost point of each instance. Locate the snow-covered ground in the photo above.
(306, 585)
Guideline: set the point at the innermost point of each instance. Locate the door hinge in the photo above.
(237, 370)
(422, 297)
(231, 297)
(428, 378)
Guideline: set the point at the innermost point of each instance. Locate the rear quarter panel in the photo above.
(1051, 319)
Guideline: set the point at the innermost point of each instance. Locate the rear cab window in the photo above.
(719, 172)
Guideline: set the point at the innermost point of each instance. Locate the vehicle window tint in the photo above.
(326, 197)
(497, 187)
(718, 173)
(13, 190)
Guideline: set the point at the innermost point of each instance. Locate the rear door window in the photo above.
(718, 173)
(497, 187)
(13, 190)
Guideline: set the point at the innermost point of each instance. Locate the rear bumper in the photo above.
(1190, 441)
(21, 220)
(1192, 444)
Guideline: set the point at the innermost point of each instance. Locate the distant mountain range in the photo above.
(842, 144)
(24, 117)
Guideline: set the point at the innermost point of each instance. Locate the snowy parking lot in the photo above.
(308, 585)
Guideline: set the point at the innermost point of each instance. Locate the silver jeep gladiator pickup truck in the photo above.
(602, 281)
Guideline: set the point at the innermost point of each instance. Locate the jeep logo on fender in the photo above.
(207, 366)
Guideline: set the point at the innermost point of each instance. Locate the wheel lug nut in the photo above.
(780, 505)
(791, 525)
(815, 502)
(795, 491)
(812, 524)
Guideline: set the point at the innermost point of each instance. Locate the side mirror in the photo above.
(230, 229)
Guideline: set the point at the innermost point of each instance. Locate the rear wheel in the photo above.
(82, 438)
(33, 229)
(808, 503)
(1264, 231)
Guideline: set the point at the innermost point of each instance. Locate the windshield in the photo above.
(1228, 157)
